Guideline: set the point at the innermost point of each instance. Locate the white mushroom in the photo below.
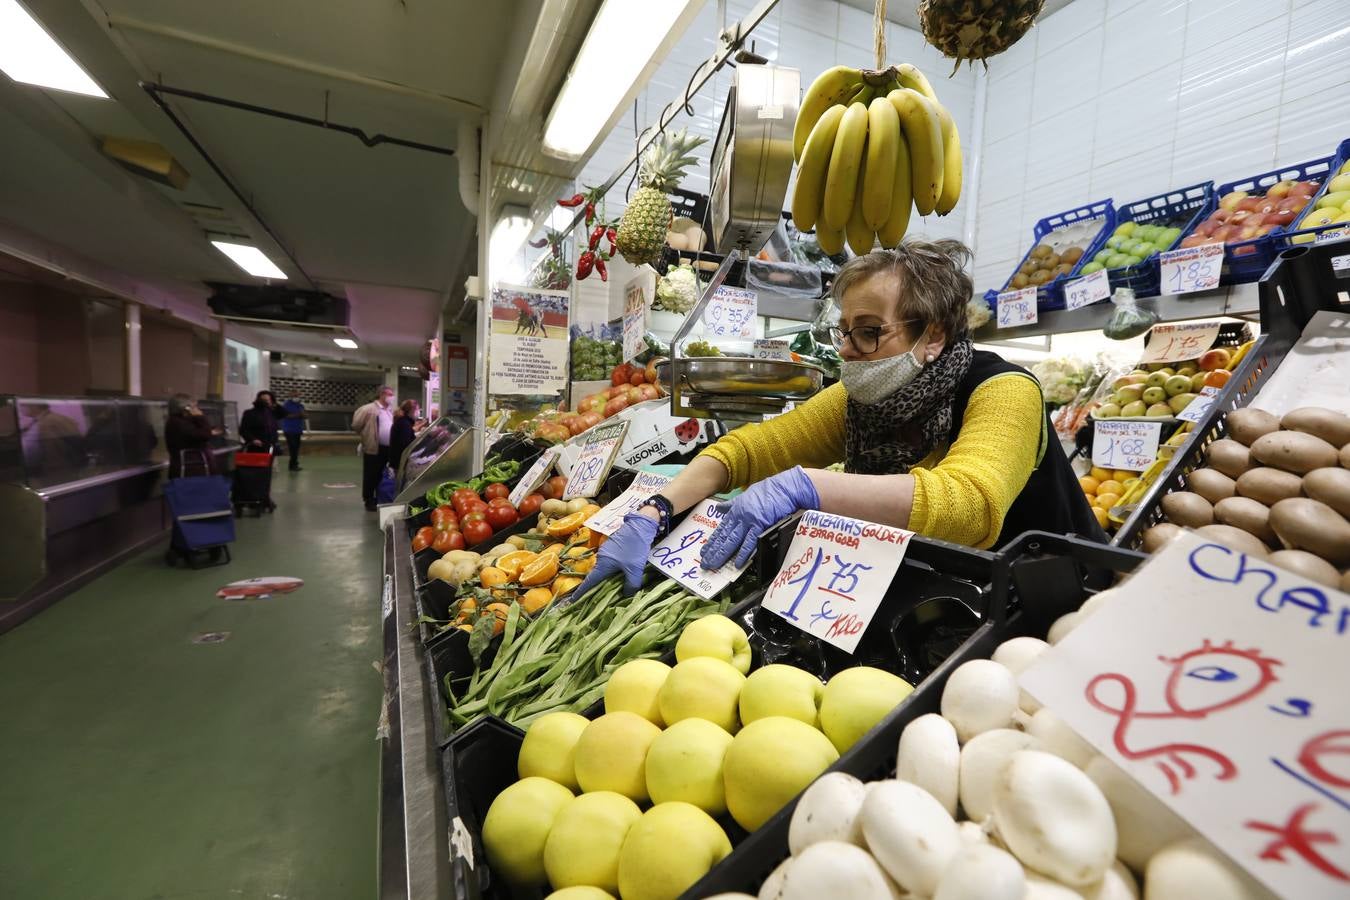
(836, 869)
(827, 811)
(1054, 819)
(972, 833)
(979, 696)
(930, 756)
(1098, 601)
(1041, 888)
(772, 888)
(1116, 884)
(1059, 739)
(982, 759)
(1144, 824)
(1017, 654)
(1190, 869)
(981, 872)
(909, 833)
(1061, 627)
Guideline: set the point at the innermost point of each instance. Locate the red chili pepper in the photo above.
(590, 213)
(577, 200)
(613, 234)
(584, 264)
(600, 267)
(539, 244)
(596, 234)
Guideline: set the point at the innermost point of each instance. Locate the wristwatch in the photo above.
(664, 511)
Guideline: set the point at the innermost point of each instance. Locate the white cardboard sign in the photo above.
(597, 456)
(1122, 444)
(645, 484)
(1017, 308)
(634, 316)
(1175, 341)
(678, 555)
(1087, 290)
(835, 573)
(1196, 409)
(534, 475)
(773, 348)
(1217, 682)
(1188, 269)
(731, 313)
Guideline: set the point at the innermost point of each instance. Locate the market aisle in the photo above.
(135, 764)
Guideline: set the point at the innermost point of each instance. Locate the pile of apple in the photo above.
(1163, 389)
(1332, 208)
(1243, 216)
(628, 804)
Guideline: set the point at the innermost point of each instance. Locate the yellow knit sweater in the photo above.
(961, 492)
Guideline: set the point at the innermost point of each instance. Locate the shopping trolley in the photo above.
(200, 505)
(253, 482)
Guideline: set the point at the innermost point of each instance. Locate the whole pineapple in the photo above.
(976, 29)
(642, 229)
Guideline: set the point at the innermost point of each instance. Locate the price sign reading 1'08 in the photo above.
(835, 574)
(1121, 444)
(597, 456)
(1190, 269)
(1016, 308)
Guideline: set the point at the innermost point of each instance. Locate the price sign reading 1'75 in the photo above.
(1017, 308)
(1173, 342)
(1189, 269)
(835, 574)
(597, 456)
(1121, 444)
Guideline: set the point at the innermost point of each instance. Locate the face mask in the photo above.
(873, 380)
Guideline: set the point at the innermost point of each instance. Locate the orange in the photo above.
(552, 550)
(493, 576)
(541, 571)
(1106, 501)
(1099, 473)
(1120, 475)
(567, 524)
(501, 611)
(564, 584)
(1106, 487)
(535, 599)
(580, 560)
(589, 510)
(597, 538)
(1088, 484)
(511, 563)
(580, 537)
(1101, 516)
(1218, 378)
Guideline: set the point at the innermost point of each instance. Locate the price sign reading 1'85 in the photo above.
(835, 574)
(597, 456)
(1017, 308)
(1121, 444)
(1188, 269)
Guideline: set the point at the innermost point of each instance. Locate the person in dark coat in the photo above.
(187, 429)
(258, 426)
(403, 432)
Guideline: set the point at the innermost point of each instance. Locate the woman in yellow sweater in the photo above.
(935, 437)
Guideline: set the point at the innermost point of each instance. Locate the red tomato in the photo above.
(464, 493)
(443, 514)
(500, 501)
(447, 541)
(472, 517)
(557, 484)
(639, 376)
(475, 506)
(621, 375)
(477, 532)
(420, 543)
(500, 517)
(427, 533)
(496, 490)
(530, 505)
(447, 525)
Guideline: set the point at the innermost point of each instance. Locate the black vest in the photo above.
(1052, 499)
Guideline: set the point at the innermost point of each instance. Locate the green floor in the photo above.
(135, 764)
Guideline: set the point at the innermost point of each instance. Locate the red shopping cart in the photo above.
(253, 482)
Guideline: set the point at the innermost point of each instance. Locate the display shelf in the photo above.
(1234, 300)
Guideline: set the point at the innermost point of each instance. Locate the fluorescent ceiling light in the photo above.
(345, 343)
(249, 258)
(313, 365)
(30, 55)
(508, 234)
(623, 39)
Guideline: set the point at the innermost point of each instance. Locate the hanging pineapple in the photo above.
(642, 229)
(976, 29)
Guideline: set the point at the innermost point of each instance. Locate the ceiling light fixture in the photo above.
(345, 343)
(626, 40)
(30, 55)
(249, 258)
(509, 232)
(313, 365)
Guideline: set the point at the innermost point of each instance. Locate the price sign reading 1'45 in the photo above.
(836, 571)
(1173, 342)
(1188, 269)
(1087, 290)
(731, 313)
(597, 456)
(645, 485)
(678, 555)
(534, 475)
(1017, 308)
(1122, 444)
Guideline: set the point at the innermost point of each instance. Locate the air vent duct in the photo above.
(278, 305)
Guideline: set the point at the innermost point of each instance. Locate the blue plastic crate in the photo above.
(1247, 261)
(1051, 294)
(1183, 207)
(1286, 238)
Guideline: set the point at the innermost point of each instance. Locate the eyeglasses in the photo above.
(865, 338)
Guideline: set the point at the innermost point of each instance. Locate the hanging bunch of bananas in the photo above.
(869, 145)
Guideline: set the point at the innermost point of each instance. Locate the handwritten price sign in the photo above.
(1087, 290)
(836, 572)
(1190, 269)
(1017, 308)
(597, 456)
(534, 475)
(646, 484)
(1196, 409)
(1173, 342)
(731, 313)
(1121, 444)
(773, 349)
(678, 555)
(1217, 682)
(634, 315)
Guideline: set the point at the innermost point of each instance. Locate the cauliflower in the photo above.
(677, 290)
(1061, 378)
(977, 312)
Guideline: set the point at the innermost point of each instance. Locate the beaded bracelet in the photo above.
(664, 510)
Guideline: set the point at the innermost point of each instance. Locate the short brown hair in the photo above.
(407, 407)
(934, 286)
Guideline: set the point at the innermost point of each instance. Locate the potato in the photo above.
(1313, 568)
(1327, 424)
(1250, 515)
(1187, 510)
(1306, 524)
(1293, 451)
(1229, 457)
(1159, 536)
(1246, 425)
(1345, 581)
(1269, 486)
(1235, 538)
(1330, 485)
(1211, 484)
(1345, 457)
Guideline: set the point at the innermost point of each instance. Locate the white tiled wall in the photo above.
(1127, 98)
(809, 35)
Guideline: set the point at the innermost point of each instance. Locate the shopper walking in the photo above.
(374, 424)
(258, 426)
(403, 432)
(293, 426)
(187, 429)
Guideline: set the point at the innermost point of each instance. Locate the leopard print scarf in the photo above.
(892, 436)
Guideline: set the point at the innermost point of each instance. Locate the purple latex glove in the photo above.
(626, 551)
(747, 516)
